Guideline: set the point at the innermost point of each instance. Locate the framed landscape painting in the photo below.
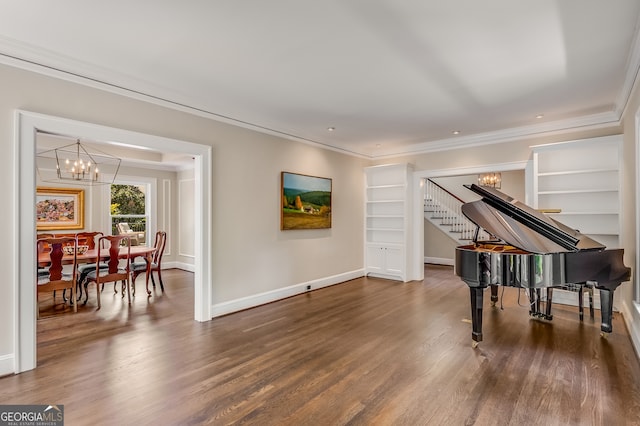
(59, 208)
(306, 202)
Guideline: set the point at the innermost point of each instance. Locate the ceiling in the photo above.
(388, 77)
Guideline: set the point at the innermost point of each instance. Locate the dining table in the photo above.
(92, 256)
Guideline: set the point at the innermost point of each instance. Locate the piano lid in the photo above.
(521, 226)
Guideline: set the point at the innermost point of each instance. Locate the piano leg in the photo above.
(606, 310)
(581, 301)
(548, 315)
(534, 302)
(590, 286)
(476, 314)
(494, 295)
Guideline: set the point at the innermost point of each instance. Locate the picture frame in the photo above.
(305, 201)
(59, 208)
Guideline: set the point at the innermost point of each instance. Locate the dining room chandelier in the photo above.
(492, 180)
(77, 164)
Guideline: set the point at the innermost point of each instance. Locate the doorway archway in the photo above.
(24, 144)
(417, 263)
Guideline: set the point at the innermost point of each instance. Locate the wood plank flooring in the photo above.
(366, 352)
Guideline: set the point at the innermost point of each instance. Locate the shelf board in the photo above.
(398, 185)
(577, 191)
(384, 244)
(595, 212)
(384, 201)
(386, 229)
(386, 216)
(576, 172)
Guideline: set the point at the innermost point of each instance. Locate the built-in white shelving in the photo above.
(582, 179)
(387, 240)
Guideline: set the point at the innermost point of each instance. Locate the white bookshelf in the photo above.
(387, 210)
(581, 178)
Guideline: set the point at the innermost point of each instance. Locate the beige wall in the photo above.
(185, 235)
(439, 246)
(250, 254)
(629, 214)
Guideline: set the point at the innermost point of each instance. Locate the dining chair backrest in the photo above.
(55, 270)
(44, 247)
(54, 277)
(88, 238)
(110, 254)
(67, 235)
(160, 243)
(114, 243)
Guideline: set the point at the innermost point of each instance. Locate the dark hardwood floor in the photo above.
(366, 352)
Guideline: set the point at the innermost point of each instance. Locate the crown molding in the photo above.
(30, 58)
(590, 122)
(631, 78)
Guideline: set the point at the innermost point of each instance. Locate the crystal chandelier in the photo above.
(492, 180)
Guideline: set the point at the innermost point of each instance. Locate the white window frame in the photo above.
(151, 205)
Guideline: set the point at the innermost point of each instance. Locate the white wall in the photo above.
(185, 238)
(631, 214)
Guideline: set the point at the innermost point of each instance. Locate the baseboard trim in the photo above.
(565, 297)
(179, 265)
(7, 365)
(439, 261)
(243, 303)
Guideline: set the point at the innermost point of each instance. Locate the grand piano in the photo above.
(530, 250)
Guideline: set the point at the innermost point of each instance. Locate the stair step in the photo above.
(453, 224)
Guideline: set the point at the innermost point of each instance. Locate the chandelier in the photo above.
(492, 180)
(77, 165)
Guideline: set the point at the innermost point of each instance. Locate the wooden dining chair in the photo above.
(114, 272)
(43, 248)
(56, 276)
(140, 266)
(89, 239)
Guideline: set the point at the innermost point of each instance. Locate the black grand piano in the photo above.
(532, 251)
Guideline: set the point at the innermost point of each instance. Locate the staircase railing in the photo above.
(445, 207)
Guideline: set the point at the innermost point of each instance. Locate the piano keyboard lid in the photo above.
(521, 226)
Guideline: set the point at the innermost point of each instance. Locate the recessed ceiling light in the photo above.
(331, 129)
(378, 145)
(456, 132)
(539, 116)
